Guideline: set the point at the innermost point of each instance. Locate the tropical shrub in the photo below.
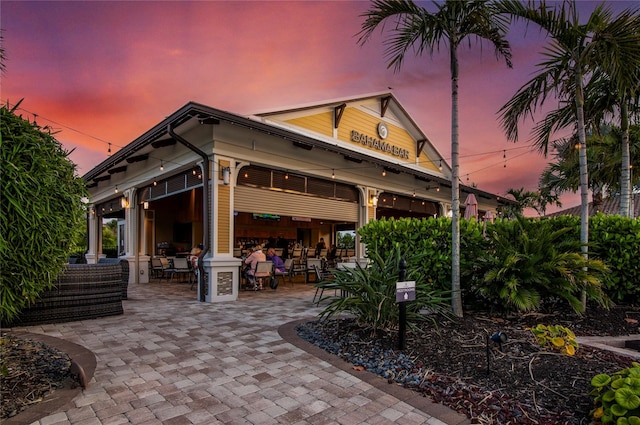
(617, 396)
(371, 292)
(526, 261)
(555, 337)
(41, 207)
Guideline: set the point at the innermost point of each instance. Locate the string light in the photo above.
(333, 174)
(504, 157)
(161, 165)
(155, 183)
(384, 173)
(116, 190)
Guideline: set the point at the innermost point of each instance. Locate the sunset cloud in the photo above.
(105, 72)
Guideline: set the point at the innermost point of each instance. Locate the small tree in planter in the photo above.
(41, 207)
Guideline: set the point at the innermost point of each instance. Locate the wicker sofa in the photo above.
(124, 264)
(82, 291)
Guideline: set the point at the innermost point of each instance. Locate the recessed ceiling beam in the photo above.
(101, 178)
(302, 145)
(163, 143)
(138, 158)
(115, 170)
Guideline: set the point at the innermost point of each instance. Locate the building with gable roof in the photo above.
(299, 174)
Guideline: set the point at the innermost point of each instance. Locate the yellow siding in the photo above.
(426, 162)
(320, 123)
(362, 122)
(355, 119)
(224, 197)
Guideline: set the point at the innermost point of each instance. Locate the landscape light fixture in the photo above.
(498, 338)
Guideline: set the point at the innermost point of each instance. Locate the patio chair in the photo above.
(180, 268)
(311, 264)
(156, 267)
(288, 270)
(262, 274)
(322, 283)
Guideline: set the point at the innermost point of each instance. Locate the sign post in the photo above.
(405, 291)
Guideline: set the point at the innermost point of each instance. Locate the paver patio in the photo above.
(173, 360)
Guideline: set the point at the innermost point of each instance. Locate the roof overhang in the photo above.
(194, 114)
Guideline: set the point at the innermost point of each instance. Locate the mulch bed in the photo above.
(522, 383)
(30, 371)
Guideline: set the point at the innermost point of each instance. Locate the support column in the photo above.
(131, 236)
(93, 236)
(223, 269)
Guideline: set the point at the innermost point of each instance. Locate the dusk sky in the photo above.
(106, 72)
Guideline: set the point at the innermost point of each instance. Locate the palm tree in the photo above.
(577, 51)
(604, 158)
(452, 23)
(534, 200)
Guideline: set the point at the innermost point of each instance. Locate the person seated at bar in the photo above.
(319, 247)
(278, 264)
(332, 253)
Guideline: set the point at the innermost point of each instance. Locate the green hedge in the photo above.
(430, 241)
(614, 240)
(42, 211)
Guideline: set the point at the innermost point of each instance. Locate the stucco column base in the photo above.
(223, 279)
(143, 271)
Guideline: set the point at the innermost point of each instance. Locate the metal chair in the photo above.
(262, 274)
(180, 268)
(156, 267)
(288, 270)
(311, 264)
(322, 283)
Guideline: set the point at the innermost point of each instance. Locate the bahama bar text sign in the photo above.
(405, 291)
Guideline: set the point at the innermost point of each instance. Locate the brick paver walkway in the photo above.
(173, 360)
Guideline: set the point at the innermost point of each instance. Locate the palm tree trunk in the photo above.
(584, 174)
(456, 296)
(625, 173)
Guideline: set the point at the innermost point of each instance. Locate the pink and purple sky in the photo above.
(106, 72)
